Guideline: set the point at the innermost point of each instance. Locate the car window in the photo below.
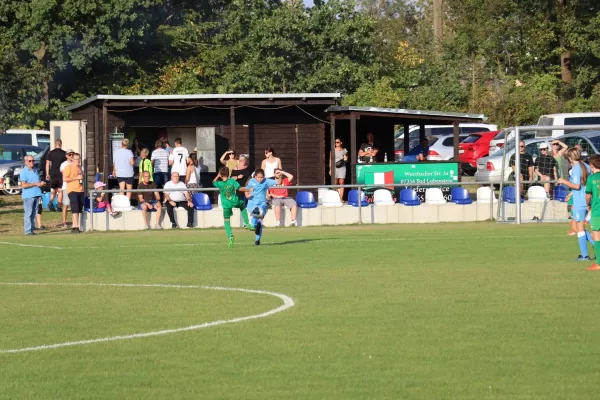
(399, 144)
(43, 140)
(532, 149)
(582, 121)
(441, 131)
(472, 139)
(11, 155)
(545, 121)
(527, 135)
(596, 142)
(432, 140)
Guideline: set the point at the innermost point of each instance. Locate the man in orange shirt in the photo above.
(73, 175)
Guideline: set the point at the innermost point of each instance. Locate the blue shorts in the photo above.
(579, 214)
(261, 206)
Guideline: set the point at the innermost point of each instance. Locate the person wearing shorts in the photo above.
(53, 174)
(280, 197)
(228, 189)
(123, 167)
(592, 194)
(73, 175)
(577, 184)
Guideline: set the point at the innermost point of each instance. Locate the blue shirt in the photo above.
(30, 176)
(579, 195)
(259, 194)
(419, 150)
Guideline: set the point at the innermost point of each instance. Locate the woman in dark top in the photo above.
(242, 174)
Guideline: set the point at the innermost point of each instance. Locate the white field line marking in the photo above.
(32, 245)
(288, 302)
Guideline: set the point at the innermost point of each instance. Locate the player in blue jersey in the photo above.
(577, 181)
(257, 202)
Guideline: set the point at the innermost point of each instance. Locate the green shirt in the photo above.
(146, 165)
(592, 187)
(228, 190)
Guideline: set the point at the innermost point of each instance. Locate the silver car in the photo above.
(499, 140)
(489, 169)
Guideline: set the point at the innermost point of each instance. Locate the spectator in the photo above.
(270, 163)
(73, 175)
(545, 167)
(178, 159)
(145, 164)
(228, 160)
(178, 199)
(559, 150)
(164, 138)
(149, 201)
(99, 201)
(31, 193)
(419, 153)
(65, 196)
(281, 198)
(341, 159)
(368, 151)
(123, 167)
(242, 174)
(55, 158)
(160, 163)
(526, 170)
(39, 226)
(192, 175)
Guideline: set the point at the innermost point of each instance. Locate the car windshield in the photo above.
(471, 139)
(509, 147)
(16, 153)
(596, 142)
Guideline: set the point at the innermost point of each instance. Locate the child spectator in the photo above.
(100, 202)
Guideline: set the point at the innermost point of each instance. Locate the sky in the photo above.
(308, 2)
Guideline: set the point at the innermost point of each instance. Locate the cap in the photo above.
(99, 185)
(70, 151)
(543, 145)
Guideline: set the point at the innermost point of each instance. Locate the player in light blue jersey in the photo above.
(577, 181)
(257, 202)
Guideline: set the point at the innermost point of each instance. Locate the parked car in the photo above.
(30, 137)
(11, 163)
(500, 138)
(588, 140)
(489, 169)
(568, 119)
(475, 146)
(437, 130)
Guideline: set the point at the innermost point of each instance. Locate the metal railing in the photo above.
(359, 187)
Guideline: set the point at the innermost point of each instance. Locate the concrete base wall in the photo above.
(345, 215)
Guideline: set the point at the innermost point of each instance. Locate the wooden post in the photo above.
(297, 155)
(353, 149)
(406, 139)
(232, 124)
(456, 137)
(422, 133)
(332, 148)
(107, 144)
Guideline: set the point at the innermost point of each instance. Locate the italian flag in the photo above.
(380, 178)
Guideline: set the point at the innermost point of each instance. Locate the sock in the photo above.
(228, 228)
(582, 244)
(597, 249)
(245, 216)
(258, 230)
(588, 236)
(254, 221)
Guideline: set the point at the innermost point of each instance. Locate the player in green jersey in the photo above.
(229, 199)
(592, 191)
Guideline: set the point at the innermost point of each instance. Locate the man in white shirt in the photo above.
(178, 199)
(178, 158)
(123, 167)
(160, 164)
(66, 202)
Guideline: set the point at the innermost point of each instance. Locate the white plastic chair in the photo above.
(485, 195)
(320, 193)
(537, 194)
(383, 197)
(120, 202)
(434, 196)
(331, 198)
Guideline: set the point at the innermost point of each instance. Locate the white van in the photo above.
(31, 137)
(568, 119)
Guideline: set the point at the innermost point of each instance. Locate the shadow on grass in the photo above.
(12, 211)
(292, 242)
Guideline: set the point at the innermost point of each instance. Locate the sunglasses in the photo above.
(28, 160)
(338, 142)
(522, 147)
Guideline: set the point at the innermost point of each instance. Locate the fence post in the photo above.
(92, 211)
(492, 202)
(518, 176)
(359, 206)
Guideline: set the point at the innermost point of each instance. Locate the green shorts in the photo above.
(595, 223)
(570, 202)
(228, 212)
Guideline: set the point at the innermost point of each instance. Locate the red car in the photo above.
(475, 146)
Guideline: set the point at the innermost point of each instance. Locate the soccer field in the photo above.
(470, 311)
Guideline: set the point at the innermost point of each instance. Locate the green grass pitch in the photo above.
(446, 311)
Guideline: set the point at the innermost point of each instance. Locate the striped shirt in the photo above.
(160, 157)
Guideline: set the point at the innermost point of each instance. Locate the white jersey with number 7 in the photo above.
(179, 157)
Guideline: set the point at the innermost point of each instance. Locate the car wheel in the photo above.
(11, 191)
